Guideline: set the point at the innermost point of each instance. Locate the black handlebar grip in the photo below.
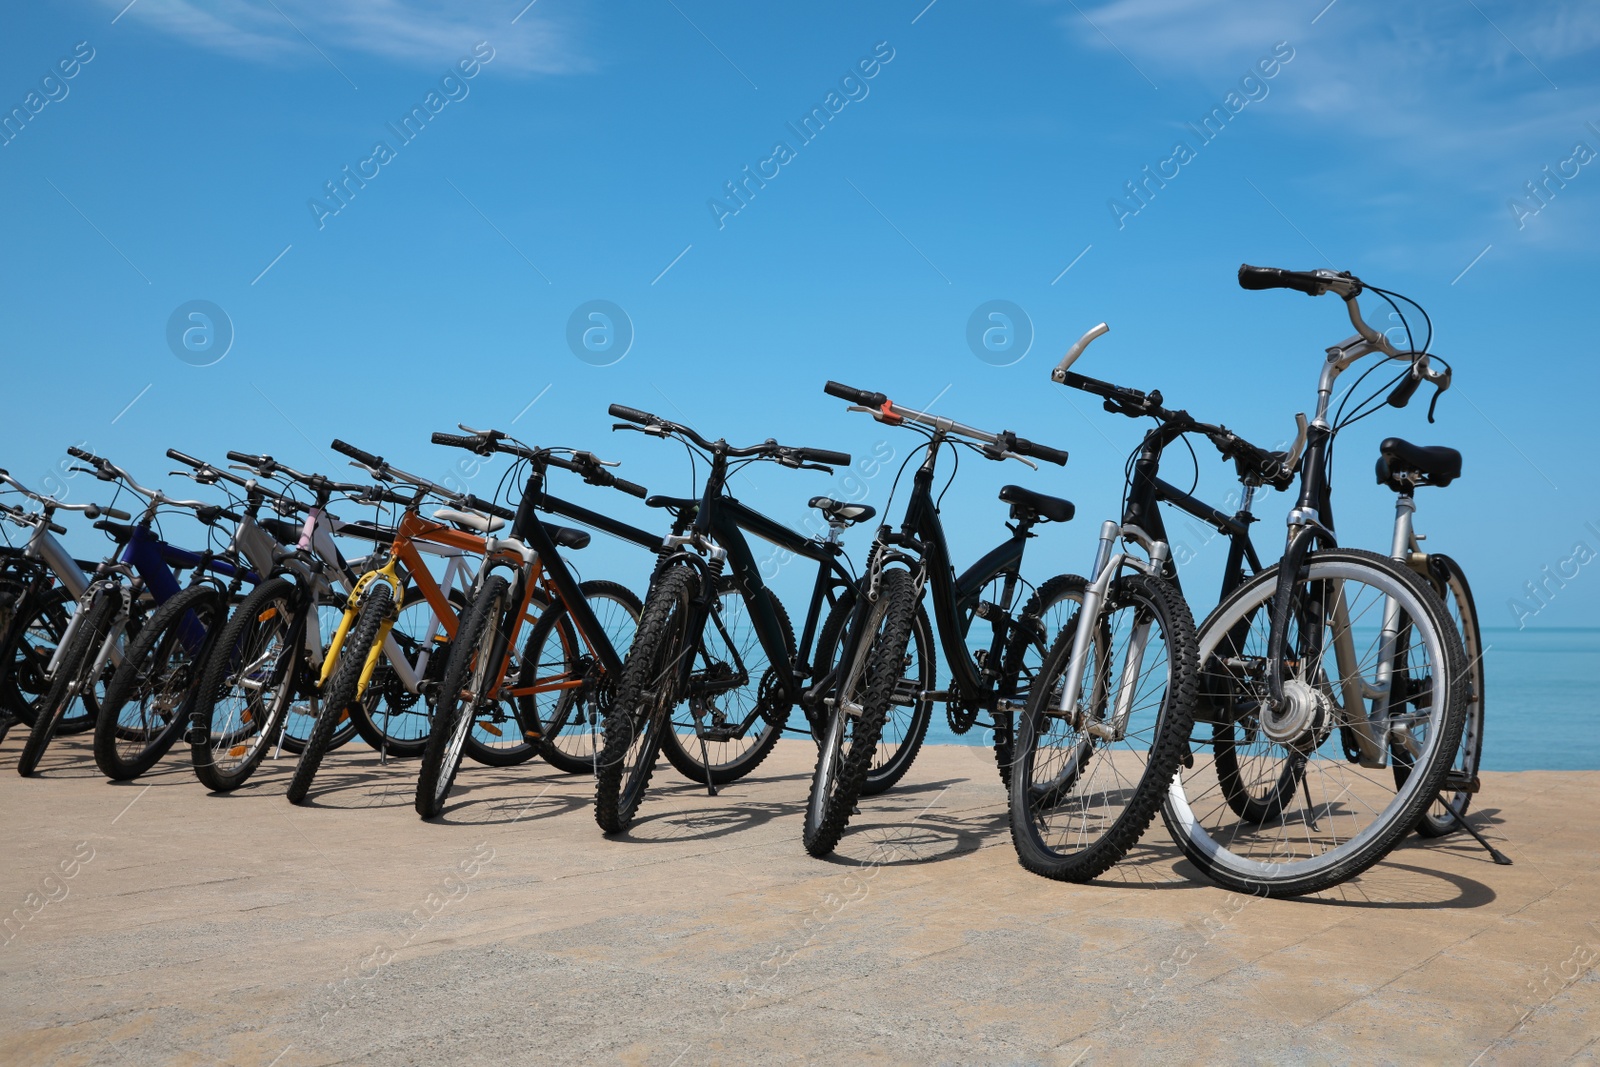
(1038, 451)
(1401, 396)
(455, 440)
(356, 454)
(1278, 278)
(631, 488)
(627, 414)
(238, 457)
(825, 456)
(87, 457)
(488, 507)
(863, 397)
(173, 453)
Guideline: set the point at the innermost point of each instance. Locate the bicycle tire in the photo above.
(245, 687)
(1323, 847)
(71, 683)
(343, 685)
(402, 734)
(771, 712)
(1104, 816)
(158, 668)
(570, 736)
(288, 740)
(905, 723)
(646, 694)
(471, 657)
(35, 634)
(1450, 582)
(878, 654)
(1036, 632)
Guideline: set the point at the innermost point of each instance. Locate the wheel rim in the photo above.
(841, 736)
(242, 717)
(467, 703)
(731, 717)
(1349, 807)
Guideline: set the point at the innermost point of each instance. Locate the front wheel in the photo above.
(1371, 667)
(648, 690)
(146, 703)
(875, 663)
(80, 678)
(1043, 617)
(36, 632)
(1093, 763)
(473, 668)
(344, 684)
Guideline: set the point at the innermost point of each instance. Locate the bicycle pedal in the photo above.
(1460, 782)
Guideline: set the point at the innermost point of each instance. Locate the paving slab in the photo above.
(153, 922)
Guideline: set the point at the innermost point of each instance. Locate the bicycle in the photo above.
(40, 584)
(879, 671)
(1264, 680)
(132, 605)
(571, 655)
(713, 639)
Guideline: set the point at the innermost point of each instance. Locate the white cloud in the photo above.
(422, 33)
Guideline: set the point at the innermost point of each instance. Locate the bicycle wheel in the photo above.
(736, 709)
(1092, 766)
(342, 688)
(391, 719)
(646, 693)
(472, 667)
(1043, 617)
(1450, 582)
(301, 715)
(79, 679)
(1342, 816)
(146, 702)
(246, 686)
(878, 651)
(25, 663)
(562, 692)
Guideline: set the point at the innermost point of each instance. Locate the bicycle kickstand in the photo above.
(1499, 857)
(705, 761)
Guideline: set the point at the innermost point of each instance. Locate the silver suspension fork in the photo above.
(1106, 566)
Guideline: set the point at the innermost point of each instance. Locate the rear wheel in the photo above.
(472, 668)
(146, 703)
(1450, 582)
(1093, 765)
(79, 681)
(388, 717)
(727, 726)
(246, 687)
(343, 687)
(301, 714)
(563, 690)
(646, 694)
(877, 657)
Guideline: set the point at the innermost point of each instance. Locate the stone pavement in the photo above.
(153, 923)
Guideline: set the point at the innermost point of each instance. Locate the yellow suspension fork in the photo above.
(387, 573)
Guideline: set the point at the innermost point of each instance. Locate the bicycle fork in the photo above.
(1107, 565)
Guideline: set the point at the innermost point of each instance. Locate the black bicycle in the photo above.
(715, 670)
(881, 672)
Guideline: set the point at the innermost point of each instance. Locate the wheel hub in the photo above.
(1302, 716)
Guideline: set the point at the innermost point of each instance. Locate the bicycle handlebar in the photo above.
(788, 455)
(357, 454)
(998, 446)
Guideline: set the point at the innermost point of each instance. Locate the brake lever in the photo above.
(1019, 459)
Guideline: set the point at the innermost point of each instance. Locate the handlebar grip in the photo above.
(627, 414)
(825, 456)
(1401, 396)
(1024, 447)
(356, 454)
(1278, 278)
(173, 453)
(117, 513)
(455, 440)
(87, 457)
(488, 507)
(631, 488)
(863, 397)
(237, 457)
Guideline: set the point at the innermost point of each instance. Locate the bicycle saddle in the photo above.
(566, 536)
(838, 509)
(120, 533)
(1402, 464)
(677, 502)
(1026, 504)
(283, 531)
(367, 531)
(469, 520)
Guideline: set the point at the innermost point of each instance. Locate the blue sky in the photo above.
(978, 162)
